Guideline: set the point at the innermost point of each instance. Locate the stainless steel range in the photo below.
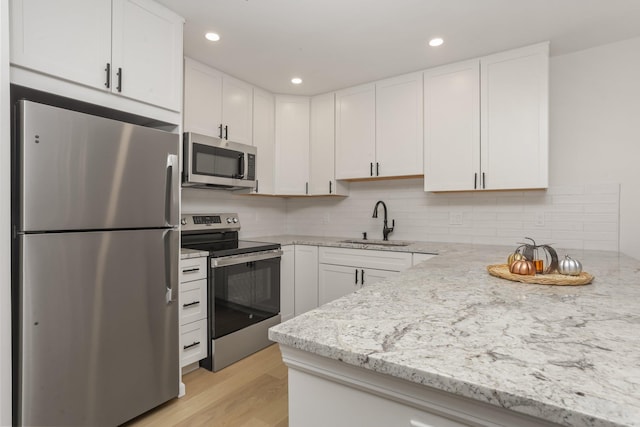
(243, 285)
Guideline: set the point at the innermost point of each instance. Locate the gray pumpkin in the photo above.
(570, 266)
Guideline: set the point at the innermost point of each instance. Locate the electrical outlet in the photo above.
(540, 219)
(327, 218)
(455, 218)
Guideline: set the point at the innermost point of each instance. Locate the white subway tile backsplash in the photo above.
(569, 214)
(574, 217)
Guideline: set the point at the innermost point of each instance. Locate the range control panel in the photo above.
(228, 221)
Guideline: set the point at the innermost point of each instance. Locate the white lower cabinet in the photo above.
(335, 281)
(193, 310)
(306, 278)
(287, 283)
(342, 271)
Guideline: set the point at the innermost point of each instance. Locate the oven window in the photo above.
(216, 161)
(245, 294)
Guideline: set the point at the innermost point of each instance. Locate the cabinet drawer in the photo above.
(193, 269)
(382, 260)
(193, 342)
(193, 301)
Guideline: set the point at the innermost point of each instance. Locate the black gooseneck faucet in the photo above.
(385, 230)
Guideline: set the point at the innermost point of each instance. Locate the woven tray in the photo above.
(502, 271)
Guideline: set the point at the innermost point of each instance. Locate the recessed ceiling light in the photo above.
(436, 42)
(296, 80)
(212, 37)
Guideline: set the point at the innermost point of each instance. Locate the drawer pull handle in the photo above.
(191, 304)
(191, 270)
(191, 345)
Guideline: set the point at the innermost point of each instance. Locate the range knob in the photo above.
(235, 220)
(229, 220)
(183, 221)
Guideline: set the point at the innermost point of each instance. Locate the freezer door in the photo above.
(99, 326)
(79, 172)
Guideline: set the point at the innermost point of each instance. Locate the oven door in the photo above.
(245, 290)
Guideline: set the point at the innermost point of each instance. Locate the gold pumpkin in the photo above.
(515, 256)
(523, 267)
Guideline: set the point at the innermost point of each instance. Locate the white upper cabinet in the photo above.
(132, 48)
(216, 104)
(486, 122)
(202, 98)
(322, 148)
(237, 106)
(399, 126)
(514, 118)
(379, 129)
(264, 140)
(356, 132)
(452, 126)
(292, 145)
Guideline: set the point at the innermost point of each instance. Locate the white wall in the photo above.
(595, 126)
(5, 222)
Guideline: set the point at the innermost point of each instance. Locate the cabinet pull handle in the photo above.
(257, 184)
(191, 345)
(330, 186)
(483, 181)
(371, 169)
(306, 188)
(226, 132)
(191, 304)
(191, 270)
(475, 181)
(220, 129)
(362, 277)
(119, 87)
(377, 169)
(356, 282)
(414, 423)
(108, 70)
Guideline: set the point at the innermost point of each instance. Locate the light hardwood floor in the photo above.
(249, 393)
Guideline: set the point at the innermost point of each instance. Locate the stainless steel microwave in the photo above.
(218, 163)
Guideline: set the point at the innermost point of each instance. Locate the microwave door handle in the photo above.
(241, 161)
(171, 193)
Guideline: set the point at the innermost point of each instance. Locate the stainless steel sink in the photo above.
(376, 242)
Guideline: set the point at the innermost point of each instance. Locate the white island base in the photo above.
(326, 392)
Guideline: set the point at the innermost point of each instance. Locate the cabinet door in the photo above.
(452, 127)
(355, 132)
(335, 281)
(292, 145)
(147, 51)
(399, 126)
(237, 110)
(202, 98)
(369, 276)
(306, 278)
(514, 113)
(322, 145)
(264, 140)
(287, 283)
(70, 39)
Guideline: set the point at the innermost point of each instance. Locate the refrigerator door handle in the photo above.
(170, 263)
(171, 195)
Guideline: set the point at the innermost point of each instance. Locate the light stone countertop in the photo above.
(565, 354)
(192, 253)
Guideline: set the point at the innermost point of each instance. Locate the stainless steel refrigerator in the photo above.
(95, 297)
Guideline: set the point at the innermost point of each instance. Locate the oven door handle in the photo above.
(243, 258)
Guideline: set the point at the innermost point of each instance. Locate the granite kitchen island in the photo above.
(446, 344)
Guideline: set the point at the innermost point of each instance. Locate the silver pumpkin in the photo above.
(570, 266)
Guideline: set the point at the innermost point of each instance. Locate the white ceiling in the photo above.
(332, 44)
